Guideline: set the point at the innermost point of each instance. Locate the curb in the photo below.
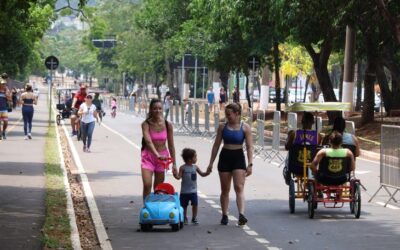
(94, 212)
(75, 240)
(370, 155)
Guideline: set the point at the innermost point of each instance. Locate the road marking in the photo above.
(362, 172)
(233, 218)
(388, 205)
(201, 195)
(262, 240)
(94, 211)
(251, 232)
(210, 201)
(216, 206)
(122, 136)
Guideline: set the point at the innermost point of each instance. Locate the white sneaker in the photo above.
(29, 136)
(26, 137)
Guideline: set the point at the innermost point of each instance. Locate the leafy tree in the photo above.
(23, 24)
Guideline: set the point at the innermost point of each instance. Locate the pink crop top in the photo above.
(158, 136)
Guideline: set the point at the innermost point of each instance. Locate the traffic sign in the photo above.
(253, 62)
(51, 62)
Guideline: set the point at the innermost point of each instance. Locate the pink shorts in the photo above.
(150, 161)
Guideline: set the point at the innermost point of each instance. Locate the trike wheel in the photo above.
(352, 198)
(145, 227)
(181, 225)
(357, 200)
(311, 200)
(292, 197)
(175, 227)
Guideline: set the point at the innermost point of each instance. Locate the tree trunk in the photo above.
(367, 114)
(237, 97)
(306, 87)
(395, 75)
(224, 77)
(360, 79)
(247, 91)
(386, 95)
(320, 63)
(392, 21)
(277, 76)
(341, 82)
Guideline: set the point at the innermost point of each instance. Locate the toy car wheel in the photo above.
(292, 197)
(357, 200)
(145, 227)
(58, 119)
(175, 227)
(311, 200)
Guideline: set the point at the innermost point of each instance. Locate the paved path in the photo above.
(22, 182)
(113, 169)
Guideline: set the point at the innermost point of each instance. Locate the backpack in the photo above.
(144, 142)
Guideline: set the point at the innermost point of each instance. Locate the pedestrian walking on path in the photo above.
(156, 133)
(188, 173)
(5, 102)
(28, 99)
(210, 98)
(87, 112)
(232, 163)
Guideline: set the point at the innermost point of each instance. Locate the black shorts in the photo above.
(185, 198)
(231, 159)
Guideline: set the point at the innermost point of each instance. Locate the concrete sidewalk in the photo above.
(22, 181)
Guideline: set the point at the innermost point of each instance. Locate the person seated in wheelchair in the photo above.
(349, 141)
(295, 142)
(332, 166)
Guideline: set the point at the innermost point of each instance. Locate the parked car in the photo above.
(272, 95)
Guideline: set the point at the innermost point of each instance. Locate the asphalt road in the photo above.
(113, 169)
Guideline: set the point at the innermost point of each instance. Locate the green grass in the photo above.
(56, 232)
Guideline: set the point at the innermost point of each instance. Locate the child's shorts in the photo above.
(150, 161)
(185, 198)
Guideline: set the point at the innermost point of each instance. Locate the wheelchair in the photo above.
(63, 113)
(333, 186)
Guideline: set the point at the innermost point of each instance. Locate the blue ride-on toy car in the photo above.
(161, 208)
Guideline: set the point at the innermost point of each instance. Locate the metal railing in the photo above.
(390, 162)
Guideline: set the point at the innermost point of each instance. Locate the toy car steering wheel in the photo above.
(166, 162)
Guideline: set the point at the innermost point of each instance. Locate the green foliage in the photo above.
(23, 23)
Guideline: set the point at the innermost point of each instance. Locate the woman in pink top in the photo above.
(156, 133)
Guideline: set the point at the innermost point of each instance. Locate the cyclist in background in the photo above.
(97, 103)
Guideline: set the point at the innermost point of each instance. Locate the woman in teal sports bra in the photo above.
(232, 164)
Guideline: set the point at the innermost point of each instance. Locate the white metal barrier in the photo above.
(390, 162)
